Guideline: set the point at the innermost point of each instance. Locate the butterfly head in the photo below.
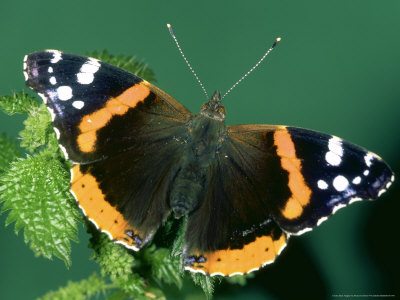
(213, 108)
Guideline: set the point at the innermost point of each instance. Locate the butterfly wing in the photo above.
(122, 133)
(90, 102)
(325, 173)
(269, 182)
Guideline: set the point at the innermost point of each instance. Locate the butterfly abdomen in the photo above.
(187, 186)
(205, 137)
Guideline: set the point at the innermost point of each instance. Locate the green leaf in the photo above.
(17, 103)
(78, 290)
(114, 259)
(36, 192)
(118, 296)
(8, 151)
(152, 293)
(177, 247)
(205, 282)
(128, 63)
(117, 263)
(164, 267)
(239, 279)
(38, 130)
(134, 285)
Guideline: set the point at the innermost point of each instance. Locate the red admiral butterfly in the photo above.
(139, 156)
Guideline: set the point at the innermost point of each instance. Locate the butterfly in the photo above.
(139, 156)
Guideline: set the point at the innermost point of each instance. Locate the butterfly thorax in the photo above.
(206, 135)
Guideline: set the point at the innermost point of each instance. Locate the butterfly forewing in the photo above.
(90, 102)
(315, 174)
(335, 172)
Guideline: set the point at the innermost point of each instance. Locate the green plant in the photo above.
(34, 190)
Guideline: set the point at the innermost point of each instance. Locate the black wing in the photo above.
(97, 109)
(269, 182)
(123, 133)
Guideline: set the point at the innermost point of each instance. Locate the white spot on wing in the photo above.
(332, 158)
(64, 92)
(194, 270)
(122, 243)
(340, 183)
(78, 104)
(335, 145)
(368, 159)
(337, 207)
(43, 97)
(230, 275)
(355, 199)
(85, 78)
(307, 229)
(366, 172)
(86, 74)
(381, 192)
(283, 247)
(50, 70)
(71, 175)
(335, 153)
(389, 184)
(53, 80)
(73, 194)
(64, 151)
(321, 220)
(26, 76)
(57, 133)
(95, 224)
(91, 66)
(356, 180)
(106, 232)
(56, 56)
(252, 270)
(322, 184)
(52, 114)
(267, 263)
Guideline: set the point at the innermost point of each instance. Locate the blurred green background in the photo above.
(336, 70)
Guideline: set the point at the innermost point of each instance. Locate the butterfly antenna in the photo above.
(184, 57)
(253, 68)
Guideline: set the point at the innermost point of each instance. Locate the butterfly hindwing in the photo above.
(123, 134)
(126, 195)
(269, 182)
(233, 231)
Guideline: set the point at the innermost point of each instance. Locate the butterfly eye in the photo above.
(222, 110)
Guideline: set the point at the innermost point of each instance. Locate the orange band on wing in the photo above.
(86, 141)
(301, 193)
(240, 261)
(114, 106)
(106, 217)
